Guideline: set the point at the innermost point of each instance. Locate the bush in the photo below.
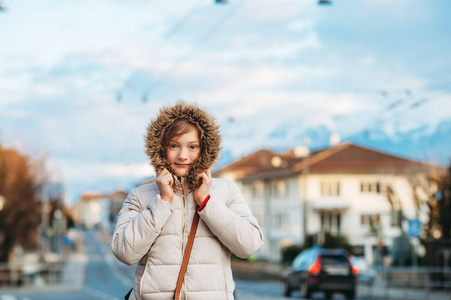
(289, 253)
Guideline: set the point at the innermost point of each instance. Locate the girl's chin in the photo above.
(181, 174)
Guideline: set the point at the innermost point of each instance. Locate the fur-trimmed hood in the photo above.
(210, 140)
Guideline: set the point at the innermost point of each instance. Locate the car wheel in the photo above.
(286, 289)
(350, 294)
(305, 290)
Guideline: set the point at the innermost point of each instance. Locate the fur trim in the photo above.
(210, 139)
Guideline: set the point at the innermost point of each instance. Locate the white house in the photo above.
(98, 210)
(345, 190)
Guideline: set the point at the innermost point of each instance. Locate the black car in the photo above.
(321, 270)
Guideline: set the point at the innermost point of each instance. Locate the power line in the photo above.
(172, 32)
(177, 27)
(199, 43)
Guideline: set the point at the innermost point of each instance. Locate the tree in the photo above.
(20, 214)
(330, 241)
(443, 197)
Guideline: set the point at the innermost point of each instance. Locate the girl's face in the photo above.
(182, 152)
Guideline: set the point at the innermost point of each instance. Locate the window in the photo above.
(330, 188)
(330, 221)
(280, 221)
(369, 219)
(254, 192)
(257, 191)
(278, 189)
(281, 189)
(371, 222)
(370, 187)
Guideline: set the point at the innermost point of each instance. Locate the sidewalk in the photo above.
(379, 291)
(73, 277)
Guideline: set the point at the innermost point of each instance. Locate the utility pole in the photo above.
(304, 151)
(44, 207)
(305, 174)
(268, 215)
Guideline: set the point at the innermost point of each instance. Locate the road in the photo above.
(106, 278)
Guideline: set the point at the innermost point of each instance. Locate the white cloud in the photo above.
(368, 61)
(85, 171)
(269, 63)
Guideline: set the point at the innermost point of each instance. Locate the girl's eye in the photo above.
(173, 146)
(193, 147)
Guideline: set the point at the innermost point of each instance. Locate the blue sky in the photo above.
(80, 80)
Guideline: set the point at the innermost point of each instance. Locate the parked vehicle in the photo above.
(367, 274)
(321, 270)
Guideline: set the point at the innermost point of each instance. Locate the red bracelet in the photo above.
(203, 203)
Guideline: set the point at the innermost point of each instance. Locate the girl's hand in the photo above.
(204, 189)
(164, 183)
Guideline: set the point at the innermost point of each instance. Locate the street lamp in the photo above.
(324, 2)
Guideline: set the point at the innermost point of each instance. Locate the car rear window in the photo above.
(334, 260)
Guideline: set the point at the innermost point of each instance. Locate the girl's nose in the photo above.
(183, 153)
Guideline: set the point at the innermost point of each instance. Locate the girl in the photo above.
(183, 143)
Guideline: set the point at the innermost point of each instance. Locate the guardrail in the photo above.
(23, 274)
(410, 283)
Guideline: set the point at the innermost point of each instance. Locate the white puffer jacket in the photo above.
(154, 233)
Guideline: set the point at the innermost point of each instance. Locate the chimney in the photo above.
(334, 139)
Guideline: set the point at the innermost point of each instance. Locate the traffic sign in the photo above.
(414, 228)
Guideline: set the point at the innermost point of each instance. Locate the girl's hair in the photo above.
(176, 129)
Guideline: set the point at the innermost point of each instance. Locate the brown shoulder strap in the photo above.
(189, 245)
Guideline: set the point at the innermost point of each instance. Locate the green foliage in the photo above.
(330, 242)
(444, 205)
(290, 252)
(341, 242)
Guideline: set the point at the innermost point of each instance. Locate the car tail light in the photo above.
(316, 267)
(355, 270)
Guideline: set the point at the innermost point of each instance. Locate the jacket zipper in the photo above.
(183, 294)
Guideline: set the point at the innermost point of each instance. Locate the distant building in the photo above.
(87, 210)
(98, 210)
(114, 202)
(365, 195)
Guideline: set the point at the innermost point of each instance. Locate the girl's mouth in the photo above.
(182, 165)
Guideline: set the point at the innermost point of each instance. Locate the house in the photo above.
(347, 190)
(87, 210)
(98, 210)
(113, 204)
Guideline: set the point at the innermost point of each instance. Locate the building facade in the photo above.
(347, 190)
